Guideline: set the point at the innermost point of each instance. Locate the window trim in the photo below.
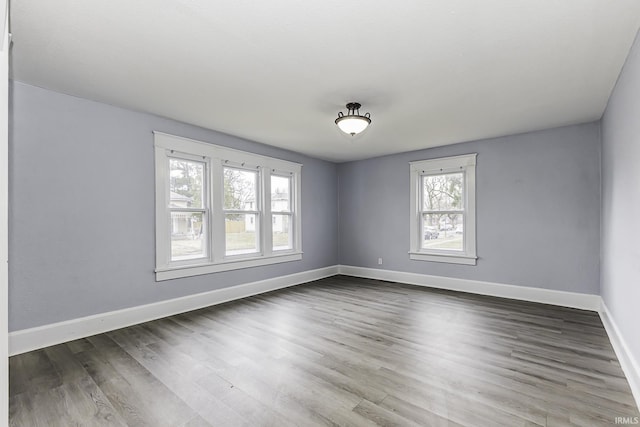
(443, 165)
(258, 212)
(290, 213)
(206, 205)
(216, 157)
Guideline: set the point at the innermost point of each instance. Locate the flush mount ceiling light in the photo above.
(353, 123)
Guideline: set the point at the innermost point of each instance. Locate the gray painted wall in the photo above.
(538, 210)
(82, 209)
(620, 280)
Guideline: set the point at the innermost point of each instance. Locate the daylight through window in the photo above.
(219, 209)
(443, 210)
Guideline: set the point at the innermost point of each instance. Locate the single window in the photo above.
(188, 209)
(240, 214)
(220, 209)
(443, 210)
(281, 212)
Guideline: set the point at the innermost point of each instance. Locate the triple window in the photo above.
(220, 209)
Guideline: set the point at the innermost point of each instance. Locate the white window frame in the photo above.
(257, 210)
(456, 164)
(206, 203)
(290, 213)
(215, 158)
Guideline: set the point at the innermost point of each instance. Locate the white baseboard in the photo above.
(524, 293)
(56, 333)
(630, 365)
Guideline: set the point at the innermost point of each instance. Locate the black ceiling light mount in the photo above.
(353, 122)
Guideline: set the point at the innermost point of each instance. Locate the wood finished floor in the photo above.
(339, 351)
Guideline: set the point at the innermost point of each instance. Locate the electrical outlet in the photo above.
(379, 261)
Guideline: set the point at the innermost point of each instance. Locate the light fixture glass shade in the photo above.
(353, 123)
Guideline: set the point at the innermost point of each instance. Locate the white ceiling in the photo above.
(430, 72)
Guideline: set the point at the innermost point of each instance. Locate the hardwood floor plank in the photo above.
(417, 414)
(180, 378)
(81, 393)
(31, 371)
(341, 351)
(381, 416)
(21, 411)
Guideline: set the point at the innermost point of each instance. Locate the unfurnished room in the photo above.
(280, 213)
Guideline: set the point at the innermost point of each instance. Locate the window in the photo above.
(221, 209)
(443, 210)
(188, 209)
(241, 228)
(281, 212)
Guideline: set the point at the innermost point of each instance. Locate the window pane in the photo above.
(280, 193)
(240, 189)
(443, 231)
(241, 233)
(282, 236)
(185, 183)
(442, 192)
(188, 236)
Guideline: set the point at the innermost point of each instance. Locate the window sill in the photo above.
(177, 272)
(448, 258)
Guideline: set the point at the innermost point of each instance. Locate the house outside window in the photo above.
(221, 209)
(442, 206)
(282, 212)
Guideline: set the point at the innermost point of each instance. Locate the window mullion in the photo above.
(267, 222)
(217, 232)
(206, 215)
